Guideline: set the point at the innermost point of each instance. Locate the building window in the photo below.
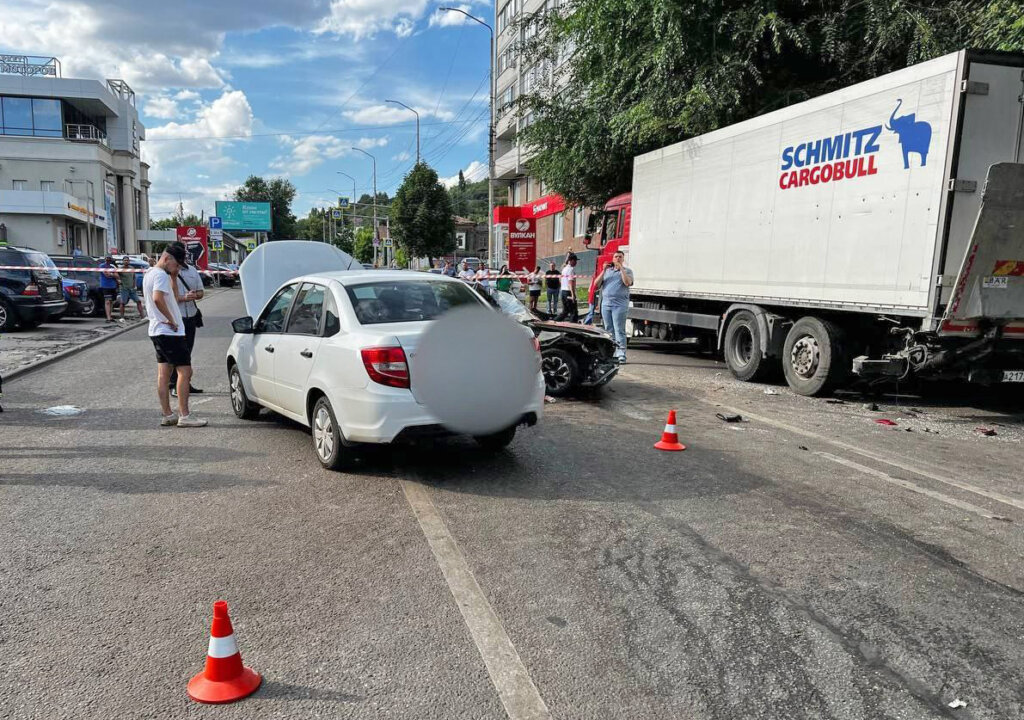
(19, 184)
(46, 185)
(40, 117)
(559, 226)
(579, 226)
(505, 100)
(507, 58)
(507, 13)
(517, 192)
(460, 240)
(138, 209)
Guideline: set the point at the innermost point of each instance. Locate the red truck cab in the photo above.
(609, 232)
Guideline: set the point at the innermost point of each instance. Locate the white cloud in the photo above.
(476, 170)
(306, 153)
(440, 18)
(402, 157)
(187, 96)
(162, 107)
(197, 199)
(389, 114)
(228, 116)
(366, 18)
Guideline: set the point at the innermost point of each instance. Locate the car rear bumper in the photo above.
(34, 309)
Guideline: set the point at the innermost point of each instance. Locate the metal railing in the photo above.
(85, 133)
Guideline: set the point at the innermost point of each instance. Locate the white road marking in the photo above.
(907, 485)
(199, 402)
(518, 694)
(967, 487)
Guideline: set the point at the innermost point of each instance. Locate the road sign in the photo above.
(342, 201)
(388, 243)
(336, 214)
(250, 245)
(244, 215)
(195, 239)
(215, 223)
(376, 242)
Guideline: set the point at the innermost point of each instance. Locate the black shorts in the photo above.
(172, 349)
(535, 293)
(109, 293)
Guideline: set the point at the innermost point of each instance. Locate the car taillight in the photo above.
(73, 290)
(31, 289)
(386, 366)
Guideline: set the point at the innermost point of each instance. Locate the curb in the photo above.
(70, 351)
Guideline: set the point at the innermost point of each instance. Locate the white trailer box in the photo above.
(859, 201)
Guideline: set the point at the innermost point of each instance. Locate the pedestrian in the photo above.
(553, 284)
(614, 283)
(448, 270)
(108, 286)
(189, 282)
(504, 281)
(568, 280)
(483, 276)
(533, 283)
(126, 288)
(167, 332)
(465, 273)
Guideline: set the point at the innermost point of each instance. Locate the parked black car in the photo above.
(29, 296)
(574, 356)
(91, 279)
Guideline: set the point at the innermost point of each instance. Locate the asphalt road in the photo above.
(804, 563)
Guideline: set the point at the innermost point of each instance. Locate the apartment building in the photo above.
(71, 176)
(560, 228)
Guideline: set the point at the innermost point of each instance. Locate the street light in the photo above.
(490, 135)
(396, 102)
(376, 237)
(353, 203)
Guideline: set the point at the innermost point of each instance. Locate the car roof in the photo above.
(349, 277)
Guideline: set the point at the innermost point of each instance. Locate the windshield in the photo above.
(43, 262)
(406, 300)
(509, 304)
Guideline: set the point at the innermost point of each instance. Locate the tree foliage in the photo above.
(363, 247)
(469, 199)
(648, 73)
(421, 214)
(280, 193)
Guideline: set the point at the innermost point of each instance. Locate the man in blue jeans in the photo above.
(614, 283)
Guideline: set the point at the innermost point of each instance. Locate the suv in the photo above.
(67, 264)
(30, 295)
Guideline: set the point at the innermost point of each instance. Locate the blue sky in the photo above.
(278, 88)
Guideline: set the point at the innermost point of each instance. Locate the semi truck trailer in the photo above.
(875, 231)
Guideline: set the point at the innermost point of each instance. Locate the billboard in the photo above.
(195, 240)
(110, 207)
(522, 244)
(244, 215)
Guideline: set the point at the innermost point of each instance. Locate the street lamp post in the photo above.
(376, 238)
(490, 136)
(396, 102)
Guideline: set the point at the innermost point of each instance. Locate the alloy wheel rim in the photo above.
(557, 370)
(804, 356)
(3, 316)
(236, 391)
(323, 434)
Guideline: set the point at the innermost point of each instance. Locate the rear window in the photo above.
(407, 300)
(43, 262)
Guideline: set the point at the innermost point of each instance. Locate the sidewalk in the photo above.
(22, 349)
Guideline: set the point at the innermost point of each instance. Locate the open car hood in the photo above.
(272, 264)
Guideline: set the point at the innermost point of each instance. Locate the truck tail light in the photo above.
(31, 289)
(386, 366)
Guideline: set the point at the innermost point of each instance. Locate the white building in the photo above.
(71, 176)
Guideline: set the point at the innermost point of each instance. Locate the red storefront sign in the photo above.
(542, 207)
(196, 243)
(522, 244)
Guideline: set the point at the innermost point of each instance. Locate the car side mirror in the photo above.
(242, 325)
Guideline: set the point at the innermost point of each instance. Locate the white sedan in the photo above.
(332, 351)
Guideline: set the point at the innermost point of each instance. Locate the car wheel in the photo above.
(240, 403)
(7, 317)
(561, 372)
(327, 442)
(497, 441)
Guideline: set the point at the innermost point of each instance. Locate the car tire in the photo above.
(327, 440)
(561, 372)
(8, 319)
(498, 441)
(244, 408)
(742, 348)
(814, 357)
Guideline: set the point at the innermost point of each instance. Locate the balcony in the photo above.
(85, 133)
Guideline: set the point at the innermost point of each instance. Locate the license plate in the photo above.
(1013, 376)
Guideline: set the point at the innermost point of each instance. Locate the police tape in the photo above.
(104, 270)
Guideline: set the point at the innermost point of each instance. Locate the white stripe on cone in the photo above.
(222, 647)
(670, 429)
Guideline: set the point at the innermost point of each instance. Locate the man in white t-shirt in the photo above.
(465, 273)
(483, 277)
(167, 331)
(569, 311)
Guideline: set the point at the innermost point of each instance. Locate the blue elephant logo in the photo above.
(914, 135)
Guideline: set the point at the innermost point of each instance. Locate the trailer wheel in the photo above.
(814, 357)
(742, 347)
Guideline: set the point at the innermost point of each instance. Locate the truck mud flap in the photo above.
(989, 289)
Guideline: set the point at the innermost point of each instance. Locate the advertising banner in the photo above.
(522, 244)
(196, 244)
(245, 216)
(110, 208)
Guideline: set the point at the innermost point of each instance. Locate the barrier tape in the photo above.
(100, 270)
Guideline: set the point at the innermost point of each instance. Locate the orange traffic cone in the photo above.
(669, 438)
(225, 679)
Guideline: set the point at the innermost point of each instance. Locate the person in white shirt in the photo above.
(188, 280)
(465, 273)
(483, 276)
(569, 311)
(167, 332)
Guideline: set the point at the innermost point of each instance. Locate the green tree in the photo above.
(280, 193)
(401, 257)
(421, 214)
(647, 73)
(362, 249)
(469, 199)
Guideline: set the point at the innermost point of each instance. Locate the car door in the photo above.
(267, 333)
(297, 347)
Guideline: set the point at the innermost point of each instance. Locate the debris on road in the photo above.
(729, 418)
(63, 411)
(884, 421)
(988, 432)
(803, 447)
(873, 407)
(549, 400)
(957, 704)
(835, 401)
(770, 391)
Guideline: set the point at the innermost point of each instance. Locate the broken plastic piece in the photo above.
(729, 418)
(958, 703)
(871, 406)
(63, 410)
(770, 391)
(884, 421)
(989, 432)
(835, 401)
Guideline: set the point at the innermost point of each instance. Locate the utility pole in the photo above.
(376, 233)
(490, 135)
(396, 102)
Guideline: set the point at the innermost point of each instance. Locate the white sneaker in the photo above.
(190, 421)
(168, 420)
